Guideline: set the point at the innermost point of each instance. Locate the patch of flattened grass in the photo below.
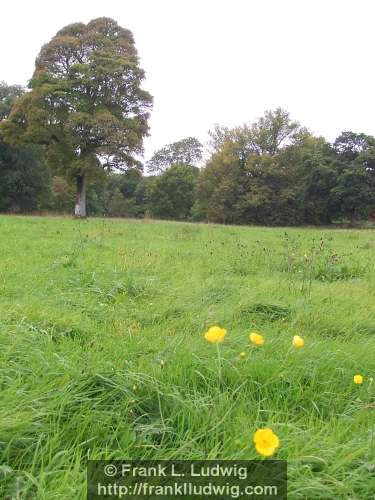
(265, 312)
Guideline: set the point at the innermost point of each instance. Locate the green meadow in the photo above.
(103, 353)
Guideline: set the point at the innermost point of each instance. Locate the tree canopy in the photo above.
(85, 106)
(187, 151)
(84, 118)
(275, 172)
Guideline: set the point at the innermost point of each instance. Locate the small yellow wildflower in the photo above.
(135, 387)
(358, 379)
(256, 338)
(298, 341)
(215, 335)
(243, 354)
(266, 442)
(162, 364)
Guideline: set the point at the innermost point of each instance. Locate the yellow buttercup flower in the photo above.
(298, 341)
(358, 379)
(256, 338)
(243, 354)
(215, 335)
(266, 442)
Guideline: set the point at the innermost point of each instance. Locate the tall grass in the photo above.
(102, 354)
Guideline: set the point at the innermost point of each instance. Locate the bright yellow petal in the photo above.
(298, 341)
(266, 451)
(266, 441)
(256, 338)
(215, 334)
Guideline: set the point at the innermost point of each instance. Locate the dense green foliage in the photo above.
(90, 309)
(275, 172)
(81, 125)
(185, 152)
(8, 94)
(171, 195)
(25, 181)
(85, 104)
(271, 172)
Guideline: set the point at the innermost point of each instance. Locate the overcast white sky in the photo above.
(221, 61)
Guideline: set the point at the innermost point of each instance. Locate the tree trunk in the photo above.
(80, 207)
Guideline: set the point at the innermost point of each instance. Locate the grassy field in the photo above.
(103, 356)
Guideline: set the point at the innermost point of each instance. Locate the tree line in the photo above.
(73, 141)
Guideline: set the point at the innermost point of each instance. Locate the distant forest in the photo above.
(74, 138)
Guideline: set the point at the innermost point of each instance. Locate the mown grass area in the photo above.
(103, 356)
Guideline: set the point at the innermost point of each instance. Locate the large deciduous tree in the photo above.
(86, 105)
(249, 176)
(187, 151)
(268, 135)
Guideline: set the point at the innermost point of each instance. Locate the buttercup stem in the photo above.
(219, 361)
